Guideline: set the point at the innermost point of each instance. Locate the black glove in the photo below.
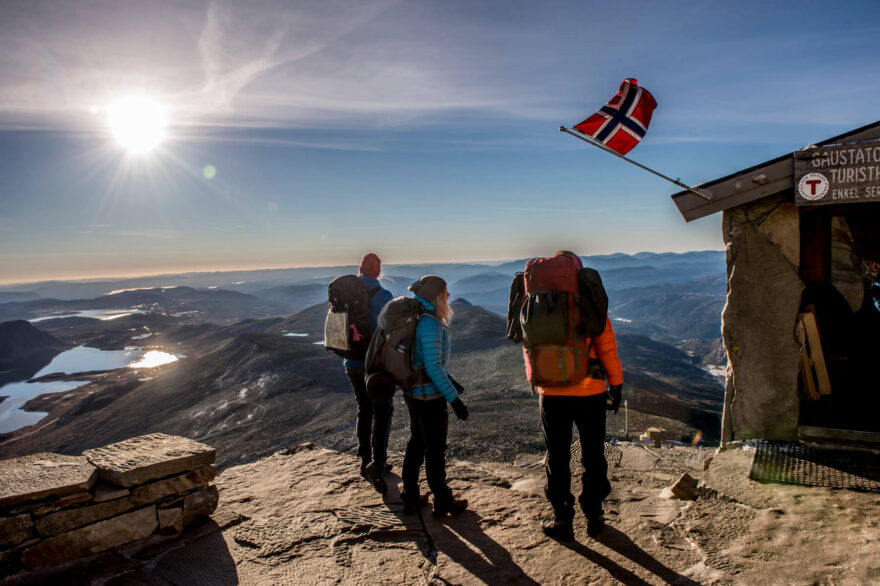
(613, 398)
(458, 386)
(460, 409)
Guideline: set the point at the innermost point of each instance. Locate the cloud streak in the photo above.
(386, 66)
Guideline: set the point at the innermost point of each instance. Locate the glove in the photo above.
(460, 409)
(614, 396)
(458, 386)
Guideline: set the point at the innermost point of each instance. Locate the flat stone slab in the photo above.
(41, 476)
(149, 457)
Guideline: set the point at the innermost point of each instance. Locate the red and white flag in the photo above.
(621, 123)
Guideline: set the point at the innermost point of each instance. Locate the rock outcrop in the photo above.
(759, 320)
(56, 509)
(25, 349)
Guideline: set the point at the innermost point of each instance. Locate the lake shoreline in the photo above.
(69, 370)
(109, 384)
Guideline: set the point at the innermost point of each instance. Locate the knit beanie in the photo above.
(371, 266)
(428, 287)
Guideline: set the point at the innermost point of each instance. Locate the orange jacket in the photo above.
(604, 347)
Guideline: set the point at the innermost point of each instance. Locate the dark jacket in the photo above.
(380, 298)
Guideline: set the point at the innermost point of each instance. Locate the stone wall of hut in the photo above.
(759, 323)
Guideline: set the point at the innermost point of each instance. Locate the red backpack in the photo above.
(556, 305)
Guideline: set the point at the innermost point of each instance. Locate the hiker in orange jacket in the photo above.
(584, 405)
(558, 310)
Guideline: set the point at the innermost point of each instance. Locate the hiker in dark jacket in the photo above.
(373, 417)
(429, 418)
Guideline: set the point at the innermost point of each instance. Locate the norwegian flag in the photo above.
(621, 123)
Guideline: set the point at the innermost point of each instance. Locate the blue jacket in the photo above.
(380, 298)
(432, 350)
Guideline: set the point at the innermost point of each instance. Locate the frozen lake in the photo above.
(79, 359)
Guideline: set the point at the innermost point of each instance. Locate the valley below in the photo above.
(253, 376)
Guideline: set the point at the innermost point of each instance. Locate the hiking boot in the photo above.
(595, 524)
(411, 508)
(385, 468)
(364, 464)
(454, 507)
(375, 478)
(558, 530)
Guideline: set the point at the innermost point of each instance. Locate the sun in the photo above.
(137, 123)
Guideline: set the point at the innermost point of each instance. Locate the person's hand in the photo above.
(460, 409)
(614, 396)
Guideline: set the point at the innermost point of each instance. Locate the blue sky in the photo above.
(420, 130)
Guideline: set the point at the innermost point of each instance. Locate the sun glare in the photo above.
(137, 123)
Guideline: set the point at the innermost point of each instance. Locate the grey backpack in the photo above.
(390, 353)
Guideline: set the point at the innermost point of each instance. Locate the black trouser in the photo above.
(428, 425)
(588, 414)
(373, 421)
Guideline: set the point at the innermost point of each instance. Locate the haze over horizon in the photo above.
(386, 267)
(143, 138)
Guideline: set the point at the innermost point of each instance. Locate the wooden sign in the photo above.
(838, 174)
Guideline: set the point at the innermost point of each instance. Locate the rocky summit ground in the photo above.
(305, 516)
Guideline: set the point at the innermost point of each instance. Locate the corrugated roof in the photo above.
(762, 180)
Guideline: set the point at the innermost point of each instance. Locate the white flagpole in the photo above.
(639, 165)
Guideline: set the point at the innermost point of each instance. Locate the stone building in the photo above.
(802, 233)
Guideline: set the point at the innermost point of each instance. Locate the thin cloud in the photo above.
(393, 66)
(155, 234)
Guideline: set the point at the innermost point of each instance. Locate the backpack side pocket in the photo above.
(514, 303)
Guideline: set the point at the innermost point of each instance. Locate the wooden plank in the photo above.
(737, 189)
(814, 349)
(806, 368)
(703, 208)
(830, 437)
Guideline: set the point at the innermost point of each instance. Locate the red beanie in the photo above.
(371, 266)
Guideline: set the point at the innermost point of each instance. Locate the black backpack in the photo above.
(390, 355)
(592, 304)
(347, 328)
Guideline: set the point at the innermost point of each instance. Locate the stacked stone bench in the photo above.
(55, 508)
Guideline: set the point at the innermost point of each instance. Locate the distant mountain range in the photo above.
(703, 262)
(212, 305)
(256, 377)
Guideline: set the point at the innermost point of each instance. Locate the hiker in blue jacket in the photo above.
(373, 416)
(429, 418)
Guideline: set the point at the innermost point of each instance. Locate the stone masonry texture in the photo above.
(56, 509)
(142, 459)
(92, 538)
(42, 476)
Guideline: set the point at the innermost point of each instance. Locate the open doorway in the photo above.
(840, 262)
